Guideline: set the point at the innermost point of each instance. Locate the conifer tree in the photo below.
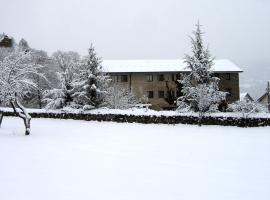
(91, 83)
(200, 88)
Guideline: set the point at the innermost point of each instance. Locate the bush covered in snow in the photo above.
(246, 108)
(119, 97)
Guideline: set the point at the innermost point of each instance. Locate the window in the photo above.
(150, 94)
(172, 77)
(227, 76)
(124, 78)
(161, 77)
(171, 94)
(115, 78)
(178, 76)
(161, 94)
(149, 77)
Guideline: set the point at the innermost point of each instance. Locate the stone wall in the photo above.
(146, 119)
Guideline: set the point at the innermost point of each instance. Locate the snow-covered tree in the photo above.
(246, 108)
(16, 72)
(68, 63)
(199, 87)
(91, 83)
(23, 45)
(5, 51)
(118, 97)
(33, 98)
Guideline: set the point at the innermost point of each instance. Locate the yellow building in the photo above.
(157, 79)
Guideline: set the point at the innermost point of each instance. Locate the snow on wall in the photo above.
(175, 65)
(139, 112)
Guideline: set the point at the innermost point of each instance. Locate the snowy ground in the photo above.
(78, 160)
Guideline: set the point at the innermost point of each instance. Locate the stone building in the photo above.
(265, 98)
(5, 41)
(157, 79)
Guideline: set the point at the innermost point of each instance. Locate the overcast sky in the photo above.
(143, 29)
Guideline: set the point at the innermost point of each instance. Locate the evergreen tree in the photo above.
(200, 60)
(23, 45)
(199, 87)
(91, 83)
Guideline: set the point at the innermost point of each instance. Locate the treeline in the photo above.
(31, 78)
(67, 80)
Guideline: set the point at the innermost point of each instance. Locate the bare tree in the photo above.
(120, 98)
(16, 72)
(68, 63)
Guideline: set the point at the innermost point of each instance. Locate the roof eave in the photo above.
(170, 72)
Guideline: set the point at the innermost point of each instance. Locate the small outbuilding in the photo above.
(246, 97)
(5, 41)
(265, 98)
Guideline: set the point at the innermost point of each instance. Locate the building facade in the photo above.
(265, 98)
(157, 79)
(5, 41)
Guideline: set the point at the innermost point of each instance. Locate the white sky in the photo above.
(238, 30)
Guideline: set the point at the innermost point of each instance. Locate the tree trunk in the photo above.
(200, 118)
(39, 99)
(27, 125)
(1, 118)
(22, 114)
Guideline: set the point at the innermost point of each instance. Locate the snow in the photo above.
(243, 95)
(67, 160)
(140, 112)
(2, 36)
(175, 65)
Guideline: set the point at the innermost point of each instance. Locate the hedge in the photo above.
(153, 119)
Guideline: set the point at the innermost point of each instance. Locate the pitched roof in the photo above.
(245, 95)
(175, 65)
(2, 36)
(262, 97)
(266, 93)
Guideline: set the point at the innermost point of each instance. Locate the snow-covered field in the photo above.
(78, 160)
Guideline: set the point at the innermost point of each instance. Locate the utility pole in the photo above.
(268, 95)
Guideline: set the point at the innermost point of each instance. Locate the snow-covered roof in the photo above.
(245, 96)
(2, 36)
(175, 65)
